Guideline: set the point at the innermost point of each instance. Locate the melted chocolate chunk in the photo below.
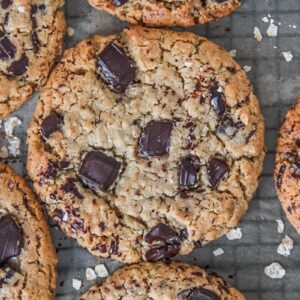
(250, 135)
(216, 170)
(163, 252)
(33, 11)
(118, 3)
(155, 138)
(217, 101)
(7, 49)
(51, 124)
(188, 171)
(296, 167)
(11, 238)
(99, 170)
(116, 67)
(70, 187)
(228, 126)
(280, 175)
(199, 293)
(162, 233)
(35, 42)
(19, 67)
(6, 3)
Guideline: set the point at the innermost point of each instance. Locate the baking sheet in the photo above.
(276, 84)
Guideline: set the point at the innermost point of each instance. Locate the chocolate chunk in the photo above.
(155, 138)
(118, 3)
(33, 11)
(216, 170)
(217, 101)
(163, 252)
(198, 293)
(70, 187)
(99, 170)
(188, 171)
(51, 172)
(7, 49)
(228, 126)
(162, 233)
(6, 3)
(19, 67)
(51, 124)
(296, 167)
(35, 42)
(11, 238)
(116, 67)
(280, 175)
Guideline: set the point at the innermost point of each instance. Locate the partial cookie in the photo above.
(147, 143)
(31, 37)
(167, 13)
(163, 281)
(27, 256)
(287, 165)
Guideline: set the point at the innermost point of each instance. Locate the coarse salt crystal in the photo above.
(232, 52)
(272, 31)
(70, 31)
(288, 56)
(257, 34)
(101, 271)
(10, 124)
(280, 226)
(234, 234)
(275, 271)
(218, 252)
(76, 284)
(247, 68)
(286, 246)
(90, 274)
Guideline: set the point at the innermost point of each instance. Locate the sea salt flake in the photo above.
(286, 246)
(275, 271)
(10, 124)
(288, 56)
(90, 274)
(76, 284)
(272, 31)
(280, 226)
(234, 234)
(218, 252)
(257, 34)
(101, 270)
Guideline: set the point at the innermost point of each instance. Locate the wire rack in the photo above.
(276, 84)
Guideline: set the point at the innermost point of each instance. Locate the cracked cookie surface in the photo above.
(167, 12)
(31, 37)
(162, 281)
(287, 165)
(146, 158)
(28, 258)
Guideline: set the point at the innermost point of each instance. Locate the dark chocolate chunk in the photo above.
(11, 238)
(7, 49)
(155, 138)
(280, 175)
(19, 67)
(217, 101)
(296, 167)
(51, 124)
(199, 293)
(51, 172)
(118, 3)
(70, 187)
(6, 3)
(162, 233)
(35, 42)
(99, 170)
(188, 170)
(33, 11)
(163, 252)
(116, 67)
(216, 170)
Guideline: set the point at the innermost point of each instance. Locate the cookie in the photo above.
(167, 13)
(287, 165)
(163, 281)
(27, 256)
(31, 37)
(146, 143)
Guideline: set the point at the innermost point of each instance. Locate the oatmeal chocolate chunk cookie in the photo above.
(167, 12)
(287, 165)
(163, 281)
(27, 257)
(31, 36)
(146, 143)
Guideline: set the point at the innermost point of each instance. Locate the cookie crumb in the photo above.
(234, 234)
(218, 252)
(257, 34)
(288, 56)
(76, 284)
(101, 270)
(280, 226)
(70, 31)
(286, 246)
(272, 31)
(275, 271)
(90, 274)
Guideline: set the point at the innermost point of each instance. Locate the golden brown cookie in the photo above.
(27, 256)
(146, 143)
(31, 37)
(287, 165)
